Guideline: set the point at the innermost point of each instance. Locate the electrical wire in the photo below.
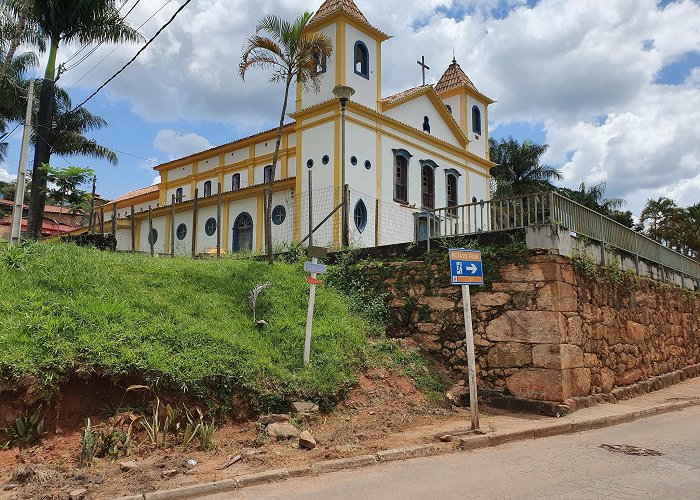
(177, 12)
(115, 48)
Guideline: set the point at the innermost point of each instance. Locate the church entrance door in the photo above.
(243, 233)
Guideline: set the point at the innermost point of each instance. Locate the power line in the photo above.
(92, 51)
(115, 48)
(182, 7)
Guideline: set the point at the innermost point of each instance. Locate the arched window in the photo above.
(178, 195)
(426, 124)
(452, 190)
(236, 182)
(181, 232)
(360, 216)
(267, 174)
(207, 189)
(449, 108)
(320, 60)
(210, 226)
(476, 120)
(401, 158)
(427, 184)
(361, 59)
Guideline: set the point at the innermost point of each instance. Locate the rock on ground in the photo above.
(282, 430)
(306, 440)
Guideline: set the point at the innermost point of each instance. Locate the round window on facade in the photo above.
(181, 232)
(279, 213)
(325, 159)
(368, 164)
(353, 160)
(210, 226)
(360, 216)
(153, 237)
(309, 163)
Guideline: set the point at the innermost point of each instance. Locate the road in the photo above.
(560, 467)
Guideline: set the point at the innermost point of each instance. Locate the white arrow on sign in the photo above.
(472, 267)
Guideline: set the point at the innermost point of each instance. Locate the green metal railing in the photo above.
(553, 208)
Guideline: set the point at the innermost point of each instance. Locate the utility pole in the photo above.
(91, 221)
(16, 230)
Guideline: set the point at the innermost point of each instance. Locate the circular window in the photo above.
(360, 215)
(368, 164)
(279, 213)
(210, 226)
(353, 160)
(153, 237)
(181, 232)
(325, 159)
(309, 163)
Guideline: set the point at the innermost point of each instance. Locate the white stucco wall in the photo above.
(413, 112)
(228, 180)
(477, 142)
(365, 89)
(179, 172)
(236, 156)
(249, 205)
(310, 98)
(159, 226)
(454, 103)
(186, 194)
(208, 164)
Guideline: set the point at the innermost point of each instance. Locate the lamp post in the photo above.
(343, 93)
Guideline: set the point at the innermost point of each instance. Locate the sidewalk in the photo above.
(496, 429)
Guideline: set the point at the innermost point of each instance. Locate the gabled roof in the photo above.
(454, 77)
(402, 95)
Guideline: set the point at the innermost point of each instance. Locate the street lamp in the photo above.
(344, 93)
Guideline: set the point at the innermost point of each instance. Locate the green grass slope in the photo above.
(178, 323)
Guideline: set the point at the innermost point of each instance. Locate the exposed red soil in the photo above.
(372, 418)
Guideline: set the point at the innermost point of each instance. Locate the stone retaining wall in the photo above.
(545, 332)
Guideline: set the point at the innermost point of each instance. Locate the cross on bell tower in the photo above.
(423, 66)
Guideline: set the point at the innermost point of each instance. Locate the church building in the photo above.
(405, 155)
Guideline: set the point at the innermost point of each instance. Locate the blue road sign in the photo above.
(466, 267)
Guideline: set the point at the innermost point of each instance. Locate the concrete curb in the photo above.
(470, 442)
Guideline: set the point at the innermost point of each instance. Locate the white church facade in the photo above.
(406, 154)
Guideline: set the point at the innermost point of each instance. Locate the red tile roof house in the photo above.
(57, 220)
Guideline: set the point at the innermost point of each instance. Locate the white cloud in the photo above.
(156, 180)
(5, 176)
(178, 145)
(560, 63)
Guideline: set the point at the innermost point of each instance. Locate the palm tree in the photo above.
(664, 217)
(63, 21)
(291, 52)
(16, 29)
(691, 230)
(518, 170)
(68, 128)
(13, 94)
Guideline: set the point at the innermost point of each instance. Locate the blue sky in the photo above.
(613, 87)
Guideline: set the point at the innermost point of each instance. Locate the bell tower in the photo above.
(357, 55)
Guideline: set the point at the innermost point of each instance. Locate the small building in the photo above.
(405, 155)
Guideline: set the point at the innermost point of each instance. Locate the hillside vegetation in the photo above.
(182, 324)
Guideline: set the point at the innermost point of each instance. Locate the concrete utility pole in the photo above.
(16, 230)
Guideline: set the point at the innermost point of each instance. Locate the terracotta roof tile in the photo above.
(135, 193)
(453, 78)
(330, 6)
(401, 95)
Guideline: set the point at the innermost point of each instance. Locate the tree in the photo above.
(63, 21)
(518, 170)
(66, 182)
(16, 29)
(68, 128)
(593, 197)
(663, 217)
(291, 53)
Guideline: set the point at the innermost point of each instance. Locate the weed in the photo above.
(16, 256)
(27, 430)
(90, 443)
(152, 425)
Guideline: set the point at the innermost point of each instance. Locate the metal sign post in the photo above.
(315, 269)
(466, 269)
